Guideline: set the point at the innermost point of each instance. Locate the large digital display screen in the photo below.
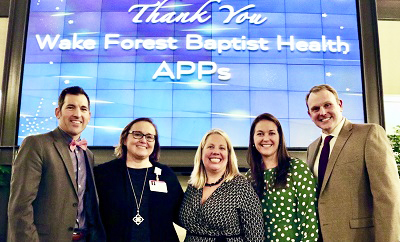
(190, 65)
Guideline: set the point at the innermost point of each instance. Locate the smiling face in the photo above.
(266, 139)
(215, 154)
(325, 110)
(74, 115)
(140, 149)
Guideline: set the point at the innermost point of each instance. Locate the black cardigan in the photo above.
(111, 179)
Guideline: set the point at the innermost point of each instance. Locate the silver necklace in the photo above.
(137, 219)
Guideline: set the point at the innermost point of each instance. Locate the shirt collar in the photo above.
(336, 131)
(66, 136)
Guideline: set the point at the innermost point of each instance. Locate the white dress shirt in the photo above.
(335, 134)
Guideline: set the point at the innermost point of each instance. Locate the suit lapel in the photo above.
(89, 157)
(312, 153)
(340, 142)
(90, 162)
(62, 149)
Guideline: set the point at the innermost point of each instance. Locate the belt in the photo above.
(218, 237)
(78, 235)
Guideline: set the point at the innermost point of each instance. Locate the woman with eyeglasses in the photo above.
(139, 198)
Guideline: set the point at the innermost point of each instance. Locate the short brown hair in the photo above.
(322, 87)
(75, 90)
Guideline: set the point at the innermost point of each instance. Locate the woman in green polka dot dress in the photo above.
(285, 185)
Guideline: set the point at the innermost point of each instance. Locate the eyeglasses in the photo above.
(139, 135)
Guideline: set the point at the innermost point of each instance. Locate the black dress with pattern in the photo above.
(233, 211)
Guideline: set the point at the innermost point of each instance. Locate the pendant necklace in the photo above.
(137, 219)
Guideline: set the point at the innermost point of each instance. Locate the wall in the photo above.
(3, 37)
(389, 37)
(4, 191)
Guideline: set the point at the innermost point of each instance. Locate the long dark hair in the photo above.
(254, 158)
(121, 150)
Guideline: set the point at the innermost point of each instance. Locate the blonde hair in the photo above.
(198, 177)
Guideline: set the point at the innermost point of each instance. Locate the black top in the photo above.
(117, 206)
(140, 232)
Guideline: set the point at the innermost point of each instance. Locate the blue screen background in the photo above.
(120, 85)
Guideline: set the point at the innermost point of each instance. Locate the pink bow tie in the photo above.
(74, 144)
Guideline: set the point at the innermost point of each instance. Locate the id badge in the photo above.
(158, 186)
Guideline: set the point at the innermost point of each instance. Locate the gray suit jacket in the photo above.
(360, 194)
(43, 196)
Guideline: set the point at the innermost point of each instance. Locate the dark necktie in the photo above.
(323, 161)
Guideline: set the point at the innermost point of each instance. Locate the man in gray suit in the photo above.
(359, 188)
(53, 196)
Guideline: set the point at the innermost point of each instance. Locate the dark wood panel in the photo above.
(4, 7)
(388, 9)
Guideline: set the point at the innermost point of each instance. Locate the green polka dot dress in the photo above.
(290, 213)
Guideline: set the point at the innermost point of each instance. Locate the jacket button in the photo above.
(75, 205)
(70, 229)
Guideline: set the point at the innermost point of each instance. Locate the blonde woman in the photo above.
(219, 204)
